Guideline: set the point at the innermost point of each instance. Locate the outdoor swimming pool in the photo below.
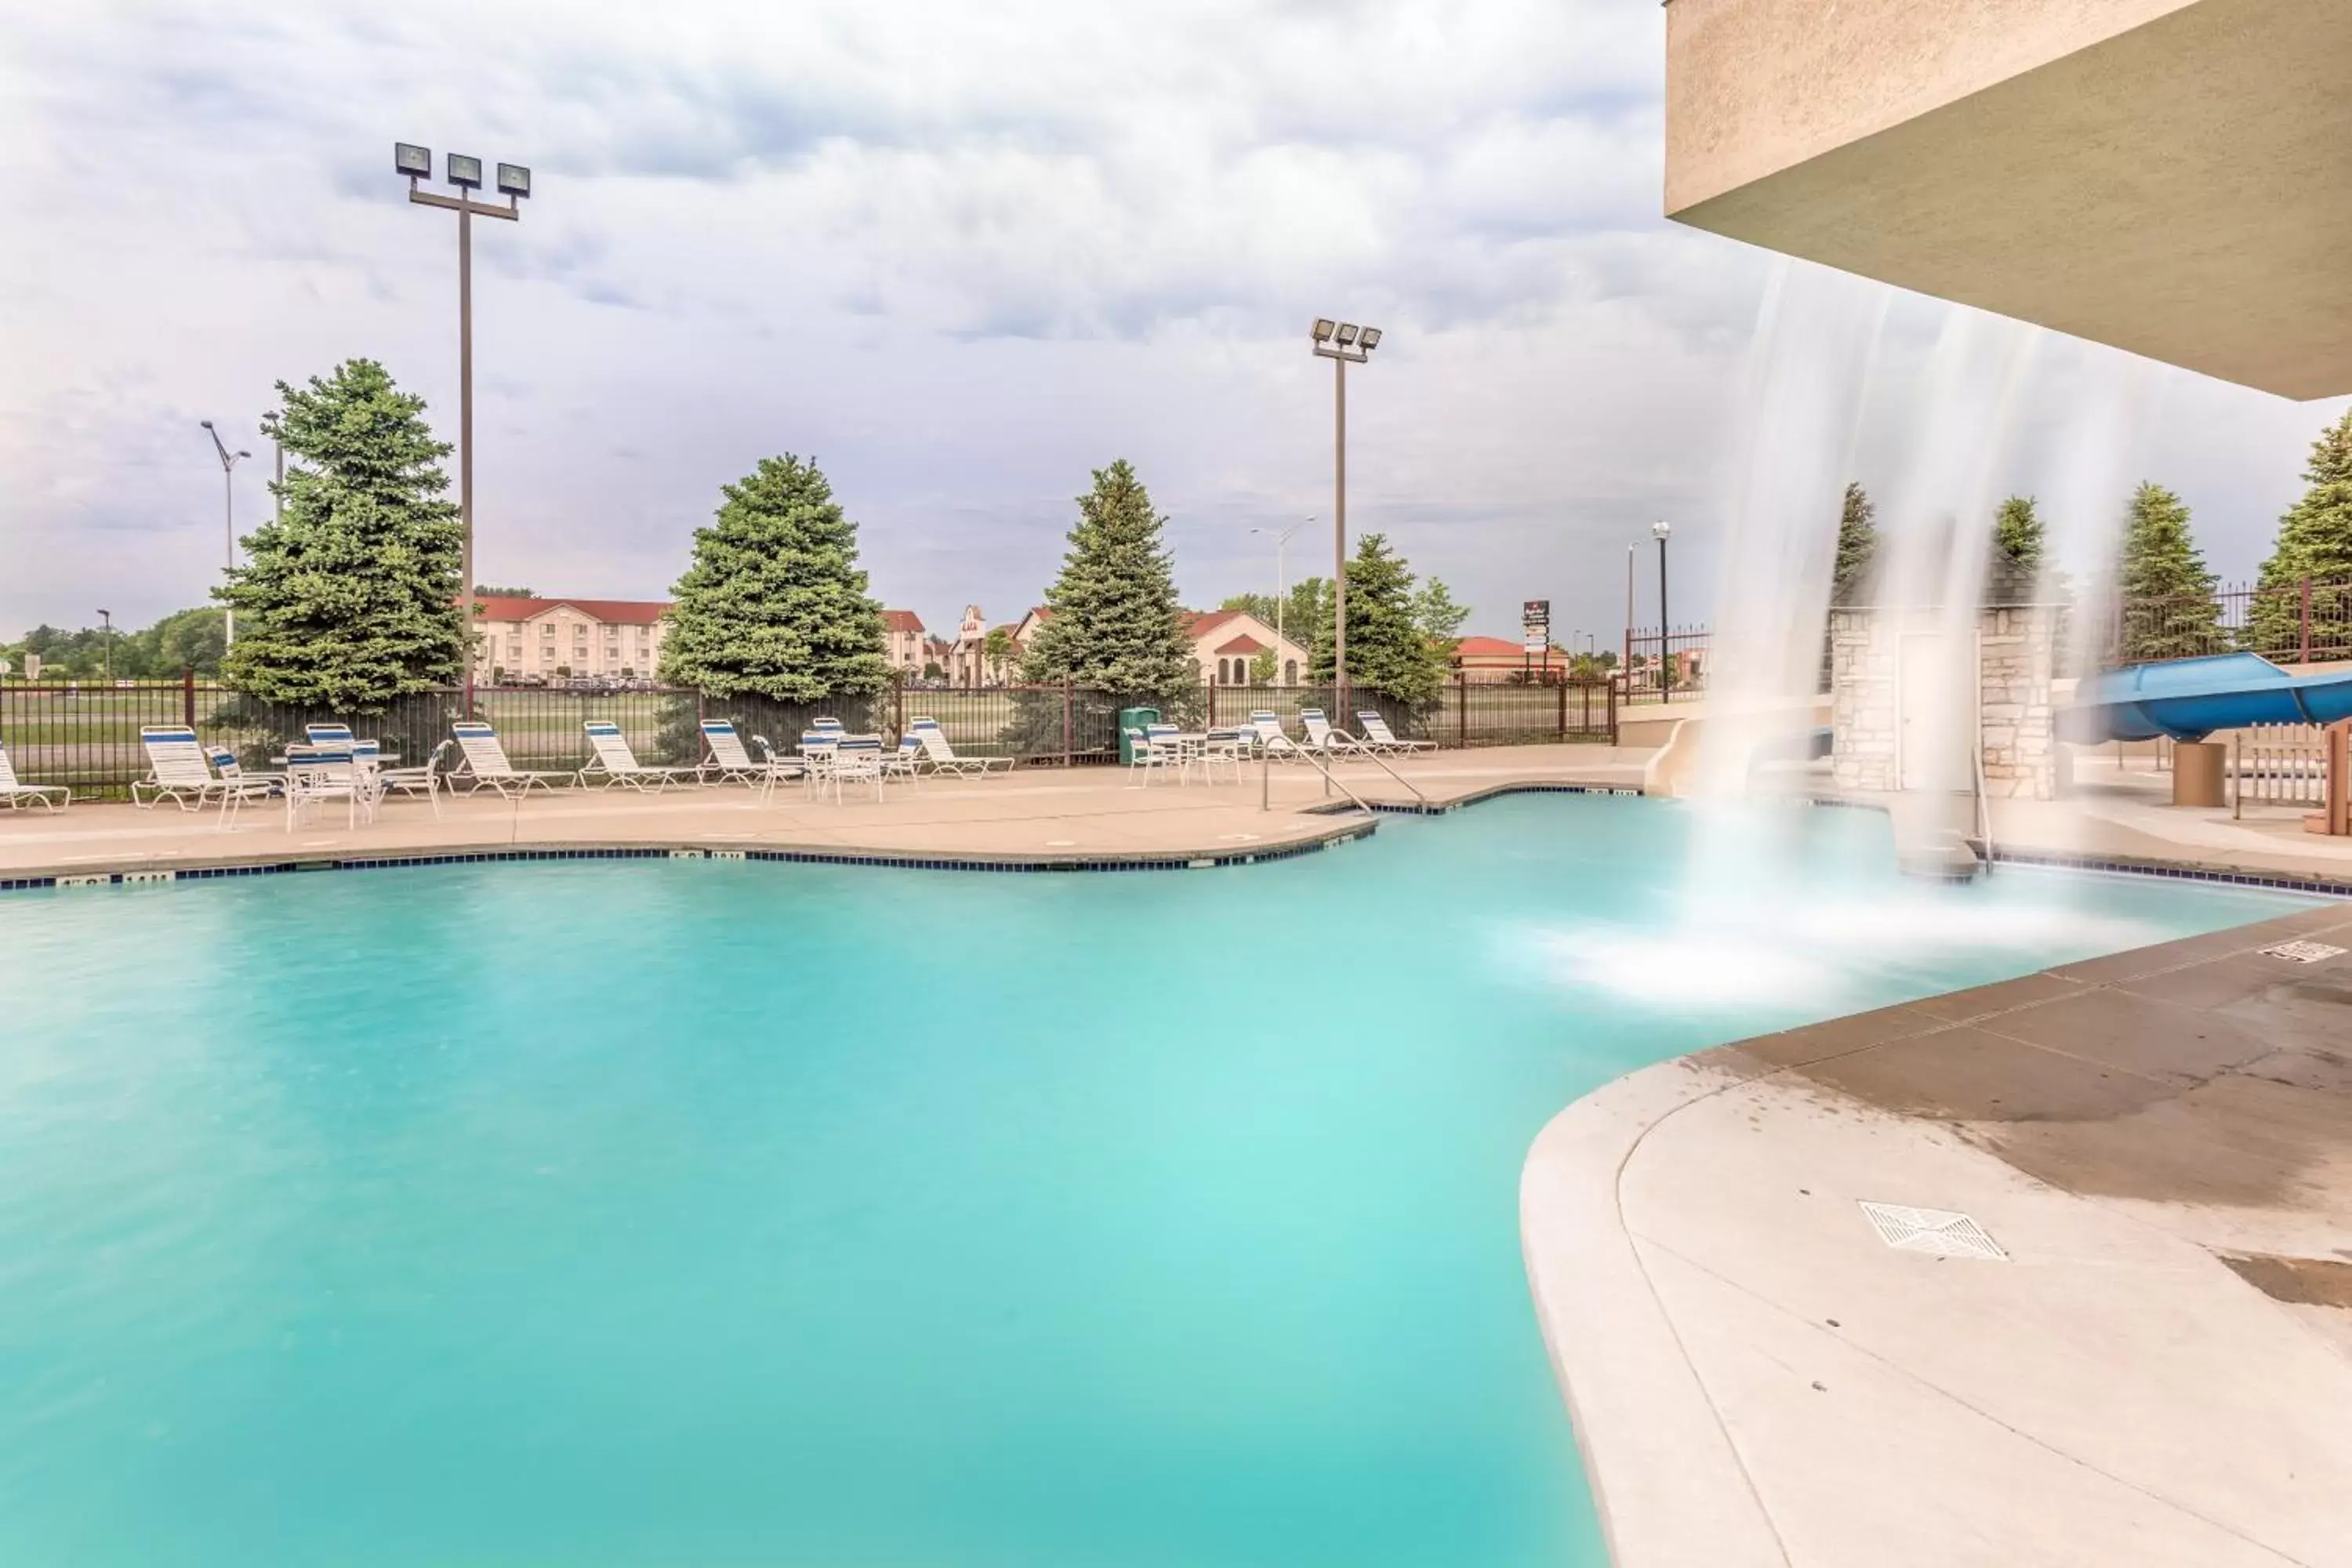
(655, 1213)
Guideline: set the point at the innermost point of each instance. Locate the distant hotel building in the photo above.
(555, 638)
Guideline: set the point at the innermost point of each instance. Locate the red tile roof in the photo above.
(621, 612)
(902, 621)
(1200, 622)
(1487, 647)
(1244, 644)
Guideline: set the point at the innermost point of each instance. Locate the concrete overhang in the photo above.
(2173, 177)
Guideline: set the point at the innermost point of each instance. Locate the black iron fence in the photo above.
(1668, 664)
(85, 735)
(2306, 621)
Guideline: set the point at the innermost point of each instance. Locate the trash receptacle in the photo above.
(1133, 719)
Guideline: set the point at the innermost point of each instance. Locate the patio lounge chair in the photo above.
(1378, 737)
(487, 766)
(942, 758)
(1271, 738)
(237, 786)
(15, 792)
(728, 762)
(1329, 741)
(614, 762)
(176, 770)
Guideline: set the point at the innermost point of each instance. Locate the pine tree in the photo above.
(774, 603)
(1388, 652)
(2166, 594)
(2017, 533)
(1857, 545)
(2314, 541)
(1116, 626)
(350, 599)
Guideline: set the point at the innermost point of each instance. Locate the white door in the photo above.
(1935, 713)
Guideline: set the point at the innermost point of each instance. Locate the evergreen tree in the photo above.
(1306, 606)
(350, 599)
(1388, 652)
(2314, 541)
(1116, 626)
(1857, 546)
(2017, 533)
(2166, 594)
(774, 603)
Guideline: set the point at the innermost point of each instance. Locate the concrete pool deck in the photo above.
(2158, 1371)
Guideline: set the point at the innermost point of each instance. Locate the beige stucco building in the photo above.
(556, 639)
(2167, 176)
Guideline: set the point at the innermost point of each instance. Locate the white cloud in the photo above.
(961, 252)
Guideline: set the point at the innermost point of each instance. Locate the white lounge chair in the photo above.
(15, 792)
(1329, 741)
(1270, 736)
(728, 762)
(237, 786)
(614, 764)
(1378, 737)
(176, 769)
(487, 766)
(940, 757)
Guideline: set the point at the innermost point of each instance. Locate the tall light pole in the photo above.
(277, 447)
(514, 183)
(1343, 344)
(1659, 531)
(1281, 578)
(228, 461)
(105, 642)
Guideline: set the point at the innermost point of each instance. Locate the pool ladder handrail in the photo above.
(1265, 763)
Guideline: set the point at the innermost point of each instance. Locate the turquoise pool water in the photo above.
(709, 1214)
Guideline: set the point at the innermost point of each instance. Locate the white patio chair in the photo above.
(237, 786)
(487, 766)
(1378, 737)
(774, 767)
(317, 775)
(1219, 748)
(15, 792)
(907, 761)
(942, 758)
(817, 747)
(854, 760)
(176, 769)
(1147, 755)
(614, 764)
(425, 780)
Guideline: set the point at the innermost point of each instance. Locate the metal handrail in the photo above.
(1984, 807)
(1265, 763)
(1374, 756)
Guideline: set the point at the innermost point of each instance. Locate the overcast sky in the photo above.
(961, 253)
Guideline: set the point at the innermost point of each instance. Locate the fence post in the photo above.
(1069, 717)
(897, 702)
(2305, 657)
(1462, 709)
(188, 696)
(1563, 708)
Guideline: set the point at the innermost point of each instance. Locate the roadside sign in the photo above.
(1534, 626)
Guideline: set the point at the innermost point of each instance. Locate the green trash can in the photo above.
(1133, 719)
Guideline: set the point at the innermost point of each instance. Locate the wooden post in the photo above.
(188, 696)
(2336, 815)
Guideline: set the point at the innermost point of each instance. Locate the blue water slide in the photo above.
(2189, 699)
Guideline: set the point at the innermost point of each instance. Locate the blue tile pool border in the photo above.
(2277, 882)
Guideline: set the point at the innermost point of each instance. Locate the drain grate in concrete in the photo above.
(2305, 952)
(1939, 1231)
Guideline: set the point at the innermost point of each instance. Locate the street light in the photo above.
(1659, 531)
(228, 461)
(1343, 344)
(514, 183)
(1281, 579)
(106, 641)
